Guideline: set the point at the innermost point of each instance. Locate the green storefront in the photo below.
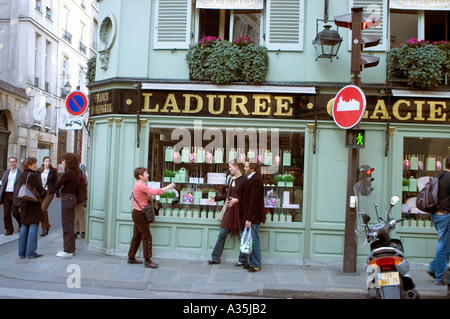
(187, 132)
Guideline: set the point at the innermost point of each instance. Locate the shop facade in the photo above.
(187, 132)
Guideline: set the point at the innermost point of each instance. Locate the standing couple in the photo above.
(244, 208)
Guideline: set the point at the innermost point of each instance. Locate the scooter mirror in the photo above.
(394, 200)
(365, 219)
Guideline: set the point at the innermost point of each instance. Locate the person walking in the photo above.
(10, 184)
(231, 221)
(253, 212)
(68, 184)
(47, 175)
(441, 221)
(31, 212)
(141, 229)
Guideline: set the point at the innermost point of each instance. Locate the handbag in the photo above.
(246, 241)
(224, 207)
(25, 192)
(148, 210)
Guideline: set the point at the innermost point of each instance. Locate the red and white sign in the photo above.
(349, 106)
(77, 103)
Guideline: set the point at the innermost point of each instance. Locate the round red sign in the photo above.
(349, 106)
(77, 103)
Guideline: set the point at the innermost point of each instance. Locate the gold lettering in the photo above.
(395, 112)
(102, 97)
(187, 103)
(437, 111)
(419, 108)
(146, 107)
(172, 103)
(211, 99)
(284, 103)
(380, 108)
(261, 107)
(241, 104)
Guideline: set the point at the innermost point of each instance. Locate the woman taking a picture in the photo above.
(30, 212)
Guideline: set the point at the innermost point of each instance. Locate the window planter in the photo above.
(222, 62)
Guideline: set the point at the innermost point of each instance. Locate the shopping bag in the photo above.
(246, 241)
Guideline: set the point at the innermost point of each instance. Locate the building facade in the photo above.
(147, 109)
(45, 46)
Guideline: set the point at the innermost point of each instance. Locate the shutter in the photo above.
(172, 24)
(373, 7)
(284, 25)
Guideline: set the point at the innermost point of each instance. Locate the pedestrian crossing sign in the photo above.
(355, 138)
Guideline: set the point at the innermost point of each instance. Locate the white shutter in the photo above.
(172, 24)
(373, 7)
(284, 25)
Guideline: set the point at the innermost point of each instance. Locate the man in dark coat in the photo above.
(10, 187)
(253, 211)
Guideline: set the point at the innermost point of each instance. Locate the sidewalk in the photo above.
(194, 277)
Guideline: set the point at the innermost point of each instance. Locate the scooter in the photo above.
(387, 267)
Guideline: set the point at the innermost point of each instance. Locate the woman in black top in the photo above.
(30, 212)
(48, 177)
(68, 184)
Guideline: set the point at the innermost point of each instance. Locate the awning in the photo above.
(421, 94)
(436, 5)
(230, 4)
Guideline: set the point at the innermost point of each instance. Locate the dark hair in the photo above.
(12, 157)
(28, 161)
(254, 166)
(41, 169)
(139, 171)
(71, 160)
(447, 162)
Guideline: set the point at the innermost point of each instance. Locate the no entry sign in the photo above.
(349, 106)
(77, 103)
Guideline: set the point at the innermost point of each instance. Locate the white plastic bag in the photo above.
(246, 241)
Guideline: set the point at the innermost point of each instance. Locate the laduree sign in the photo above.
(308, 107)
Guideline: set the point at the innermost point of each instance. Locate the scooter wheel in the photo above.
(412, 294)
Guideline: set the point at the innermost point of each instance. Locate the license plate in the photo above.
(389, 278)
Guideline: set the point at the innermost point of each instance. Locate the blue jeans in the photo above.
(255, 256)
(218, 248)
(440, 261)
(28, 240)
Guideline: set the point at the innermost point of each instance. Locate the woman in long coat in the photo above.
(30, 212)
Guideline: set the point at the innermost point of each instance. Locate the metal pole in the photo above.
(350, 247)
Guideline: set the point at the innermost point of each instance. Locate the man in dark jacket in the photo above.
(10, 187)
(253, 211)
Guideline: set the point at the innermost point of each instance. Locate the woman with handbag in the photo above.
(231, 220)
(68, 184)
(141, 229)
(30, 211)
(48, 176)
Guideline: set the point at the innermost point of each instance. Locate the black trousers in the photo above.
(68, 204)
(8, 209)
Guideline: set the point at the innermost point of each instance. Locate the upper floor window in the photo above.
(277, 24)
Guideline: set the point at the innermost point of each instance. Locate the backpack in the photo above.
(427, 199)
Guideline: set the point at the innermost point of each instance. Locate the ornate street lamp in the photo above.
(327, 42)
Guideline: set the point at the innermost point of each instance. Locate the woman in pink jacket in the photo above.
(141, 230)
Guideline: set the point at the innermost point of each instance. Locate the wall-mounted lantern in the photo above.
(327, 42)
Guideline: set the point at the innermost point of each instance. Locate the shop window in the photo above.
(422, 158)
(202, 170)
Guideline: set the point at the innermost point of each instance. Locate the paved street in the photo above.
(91, 275)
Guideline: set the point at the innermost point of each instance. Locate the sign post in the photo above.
(77, 103)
